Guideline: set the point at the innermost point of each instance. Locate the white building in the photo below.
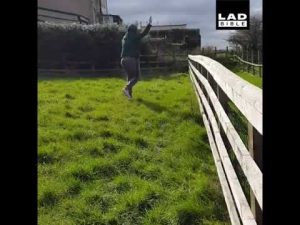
(82, 11)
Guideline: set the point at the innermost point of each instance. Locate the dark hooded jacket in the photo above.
(131, 41)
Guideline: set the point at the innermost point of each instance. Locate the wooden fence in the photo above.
(249, 66)
(215, 86)
(165, 62)
(250, 60)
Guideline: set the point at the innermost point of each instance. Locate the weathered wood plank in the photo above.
(255, 150)
(247, 97)
(239, 197)
(249, 63)
(247, 163)
(233, 215)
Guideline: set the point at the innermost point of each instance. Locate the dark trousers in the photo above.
(132, 68)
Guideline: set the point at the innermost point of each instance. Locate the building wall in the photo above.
(83, 7)
(174, 34)
(104, 6)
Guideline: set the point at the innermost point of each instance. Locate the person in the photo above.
(130, 55)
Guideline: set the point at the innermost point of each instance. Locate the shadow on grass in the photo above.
(154, 106)
(159, 109)
(163, 76)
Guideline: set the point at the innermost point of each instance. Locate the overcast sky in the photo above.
(195, 13)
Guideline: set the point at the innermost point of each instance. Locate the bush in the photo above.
(98, 44)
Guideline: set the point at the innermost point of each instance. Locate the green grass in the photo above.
(253, 79)
(236, 67)
(103, 159)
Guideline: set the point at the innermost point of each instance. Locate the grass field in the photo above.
(103, 159)
(253, 79)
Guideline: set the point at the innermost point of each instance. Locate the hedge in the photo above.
(98, 44)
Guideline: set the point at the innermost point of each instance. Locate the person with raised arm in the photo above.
(130, 55)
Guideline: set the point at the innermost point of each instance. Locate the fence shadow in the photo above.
(154, 106)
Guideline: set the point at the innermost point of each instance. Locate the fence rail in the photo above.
(215, 86)
(147, 62)
(250, 67)
(250, 60)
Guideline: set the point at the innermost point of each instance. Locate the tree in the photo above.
(248, 39)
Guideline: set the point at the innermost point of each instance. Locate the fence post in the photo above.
(223, 99)
(248, 58)
(242, 57)
(255, 150)
(207, 76)
(226, 54)
(174, 57)
(215, 52)
(260, 71)
(242, 53)
(79, 19)
(156, 58)
(252, 56)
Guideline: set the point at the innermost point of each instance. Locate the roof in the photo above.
(116, 16)
(167, 27)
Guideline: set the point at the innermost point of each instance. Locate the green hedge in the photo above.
(100, 44)
(97, 44)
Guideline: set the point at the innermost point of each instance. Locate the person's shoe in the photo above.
(127, 93)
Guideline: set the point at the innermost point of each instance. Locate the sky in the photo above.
(195, 13)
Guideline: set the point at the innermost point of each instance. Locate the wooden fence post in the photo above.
(260, 71)
(226, 54)
(174, 57)
(223, 99)
(79, 19)
(260, 62)
(252, 60)
(255, 149)
(156, 58)
(242, 56)
(207, 76)
(215, 52)
(248, 67)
